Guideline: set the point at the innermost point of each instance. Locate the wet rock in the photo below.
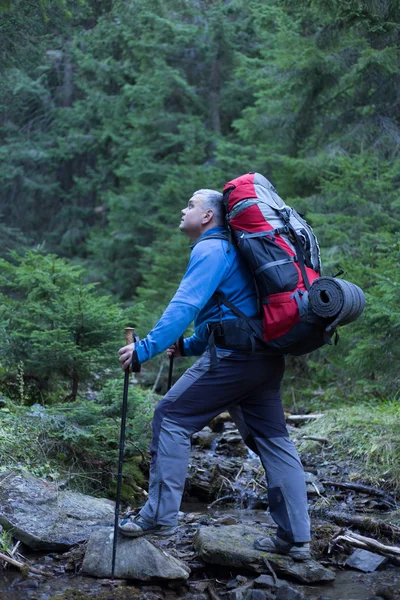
(231, 443)
(45, 518)
(286, 592)
(309, 571)
(239, 580)
(267, 582)
(259, 595)
(218, 424)
(233, 546)
(227, 520)
(240, 593)
(313, 485)
(199, 586)
(366, 561)
(135, 559)
(204, 438)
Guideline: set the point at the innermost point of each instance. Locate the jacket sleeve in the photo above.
(195, 344)
(207, 267)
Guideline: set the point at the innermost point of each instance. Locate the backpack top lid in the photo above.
(251, 185)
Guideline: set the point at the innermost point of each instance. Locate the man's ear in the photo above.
(208, 216)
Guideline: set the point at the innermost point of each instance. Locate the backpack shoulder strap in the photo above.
(222, 235)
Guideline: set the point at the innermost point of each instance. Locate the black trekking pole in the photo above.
(135, 367)
(171, 362)
(171, 367)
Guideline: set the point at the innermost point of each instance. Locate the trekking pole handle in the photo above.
(129, 334)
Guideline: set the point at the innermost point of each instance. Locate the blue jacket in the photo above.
(211, 268)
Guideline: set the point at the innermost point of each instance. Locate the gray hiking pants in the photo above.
(248, 385)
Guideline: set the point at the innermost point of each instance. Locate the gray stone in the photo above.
(286, 592)
(268, 582)
(232, 546)
(259, 595)
(240, 592)
(45, 518)
(204, 438)
(366, 561)
(136, 558)
(313, 485)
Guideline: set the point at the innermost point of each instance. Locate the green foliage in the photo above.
(6, 543)
(368, 433)
(55, 329)
(114, 113)
(79, 442)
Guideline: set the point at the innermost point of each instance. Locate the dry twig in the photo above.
(364, 489)
(22, 566)
(360, 541)
(270, 569)
(365, 523)
(222, 499)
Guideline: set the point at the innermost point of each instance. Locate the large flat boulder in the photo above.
(46, 518)
(232, 546)
(136, 558)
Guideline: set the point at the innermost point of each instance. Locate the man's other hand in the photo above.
(125, 355)
(174, 351)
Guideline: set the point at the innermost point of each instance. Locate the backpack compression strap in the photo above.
(286, 217)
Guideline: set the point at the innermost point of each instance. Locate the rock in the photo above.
(267, 582)
(239, 580)
(199, 586)
(231, 443)
(218, 424)
(286, 592)
(45, 518)
(204, 438)
(313, 485)
(227, 520)
(366, 561)
(232, 546)
(136, 558)
(240, 592)
(259, 595)
(309, 571)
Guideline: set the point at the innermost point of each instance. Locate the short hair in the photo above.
(213, 199)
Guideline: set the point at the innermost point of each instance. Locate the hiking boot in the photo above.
(299, 551)
(136, 526)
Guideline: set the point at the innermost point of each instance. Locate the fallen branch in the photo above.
(360, 541)
(23, 566)
(270, 569)
(365, 523)
(303, 418)
(358, 487)
(228, 497)
(315, 438)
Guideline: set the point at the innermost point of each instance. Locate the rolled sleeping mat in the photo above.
(336, 298)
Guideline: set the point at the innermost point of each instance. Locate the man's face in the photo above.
(194, 216)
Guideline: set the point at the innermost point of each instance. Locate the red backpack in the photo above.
(283, 254)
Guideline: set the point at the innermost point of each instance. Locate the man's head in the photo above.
(204, 211)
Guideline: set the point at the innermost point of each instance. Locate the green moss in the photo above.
(121, 593)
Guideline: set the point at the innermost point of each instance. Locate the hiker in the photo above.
(245, 383)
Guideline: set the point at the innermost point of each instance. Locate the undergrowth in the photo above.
(78, 442)
(368, 433)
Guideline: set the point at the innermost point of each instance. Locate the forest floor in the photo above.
(226, 488)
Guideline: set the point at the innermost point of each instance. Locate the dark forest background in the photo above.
(113, 112)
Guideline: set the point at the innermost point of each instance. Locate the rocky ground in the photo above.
(355, 537)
